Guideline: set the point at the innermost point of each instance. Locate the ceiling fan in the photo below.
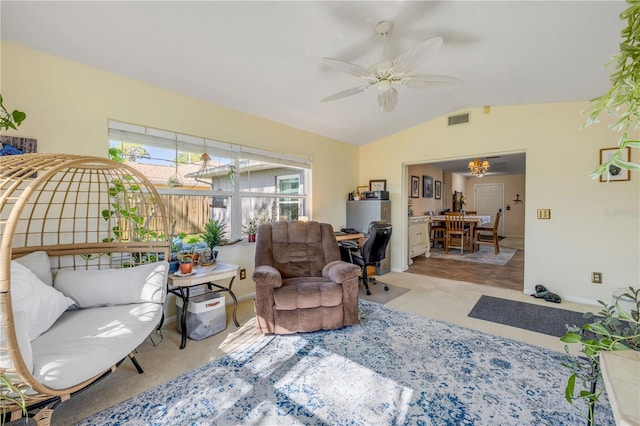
(387, 73)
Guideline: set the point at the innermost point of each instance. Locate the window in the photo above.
(289, 207)
(200, 178)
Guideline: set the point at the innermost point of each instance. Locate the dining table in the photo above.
(472, 220)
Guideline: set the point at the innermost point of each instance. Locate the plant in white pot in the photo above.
(215, 233)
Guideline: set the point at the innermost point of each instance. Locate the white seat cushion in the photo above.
(86, 342)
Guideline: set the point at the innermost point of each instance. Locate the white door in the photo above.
(488, 200)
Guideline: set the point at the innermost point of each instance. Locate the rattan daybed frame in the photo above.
(56, 203)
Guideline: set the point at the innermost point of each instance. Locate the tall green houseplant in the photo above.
(215, 233)
(622, 100)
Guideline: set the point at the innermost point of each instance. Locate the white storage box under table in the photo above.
(206, 315)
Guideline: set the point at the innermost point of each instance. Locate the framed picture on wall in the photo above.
(427, 187)
(616, 174)
(415, 187)
(378, 185)
(437, 190)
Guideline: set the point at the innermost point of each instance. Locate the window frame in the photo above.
(125, 132)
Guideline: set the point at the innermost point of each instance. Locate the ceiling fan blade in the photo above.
(388, 99)
(415, 55)
(426, 81)
(348, 67)
(345, 93)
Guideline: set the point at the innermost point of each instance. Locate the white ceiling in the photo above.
(264, 57)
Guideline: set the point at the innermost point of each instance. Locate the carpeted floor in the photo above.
(484, 255)
(378, 293)
(449, 375)
(550, 320)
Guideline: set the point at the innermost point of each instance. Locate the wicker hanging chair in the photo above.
(86, 213)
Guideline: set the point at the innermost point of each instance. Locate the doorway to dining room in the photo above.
(502, 189)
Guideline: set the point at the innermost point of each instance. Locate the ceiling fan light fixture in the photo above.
(388, 99)
(388, 72)
(478, 168)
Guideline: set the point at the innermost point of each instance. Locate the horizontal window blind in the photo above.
(165, 139)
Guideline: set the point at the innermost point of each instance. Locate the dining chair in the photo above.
(436, 232)
(455, 231)
(491, 232)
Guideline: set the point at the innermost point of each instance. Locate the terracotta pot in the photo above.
(252, 238)
(186, 267)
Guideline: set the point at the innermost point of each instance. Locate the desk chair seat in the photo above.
(371, 253)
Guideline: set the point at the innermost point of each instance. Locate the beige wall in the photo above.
(421, 205)
(594, 226)
(68, 106)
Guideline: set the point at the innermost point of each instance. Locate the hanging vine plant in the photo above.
(622, 100)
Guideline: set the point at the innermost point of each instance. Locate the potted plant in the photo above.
(612, 329)
(214, 234)
(251, 229)
(623, 97)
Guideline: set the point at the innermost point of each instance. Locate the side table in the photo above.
(204, 275)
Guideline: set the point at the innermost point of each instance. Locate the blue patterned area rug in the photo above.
(394, 368)
(485, 254)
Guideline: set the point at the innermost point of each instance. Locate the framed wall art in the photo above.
(378, 185)
(437, 189)
(427, 187)
(615, 174)
(415, 187)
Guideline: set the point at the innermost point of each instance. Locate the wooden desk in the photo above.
(343, 236)
(471, 220)
(204, 275)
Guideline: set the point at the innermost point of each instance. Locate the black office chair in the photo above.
(371, 253)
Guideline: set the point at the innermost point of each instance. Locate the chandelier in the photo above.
(478, 168)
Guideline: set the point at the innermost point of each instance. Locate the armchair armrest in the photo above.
(339, 271)
(265, 275)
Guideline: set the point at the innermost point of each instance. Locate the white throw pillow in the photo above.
(38, 263)
(111, 287)
(42, 303)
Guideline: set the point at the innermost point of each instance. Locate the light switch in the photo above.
(544, 213)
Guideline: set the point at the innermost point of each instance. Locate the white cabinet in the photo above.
(418, 236)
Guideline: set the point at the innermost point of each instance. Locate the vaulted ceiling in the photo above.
(264, 57)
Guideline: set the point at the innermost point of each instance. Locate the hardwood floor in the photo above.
(509, 276)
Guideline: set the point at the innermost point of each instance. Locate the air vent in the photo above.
(458, 119)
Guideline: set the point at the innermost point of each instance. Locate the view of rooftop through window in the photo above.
(203, 179)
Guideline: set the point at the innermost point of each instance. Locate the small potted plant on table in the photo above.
(215, 233)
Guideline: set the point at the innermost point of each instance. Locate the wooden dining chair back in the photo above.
(490, 235)
(455, 232)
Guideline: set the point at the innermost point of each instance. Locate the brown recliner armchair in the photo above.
(301, 282)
